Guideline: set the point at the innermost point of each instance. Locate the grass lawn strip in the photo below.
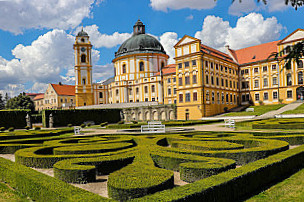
(258, 110)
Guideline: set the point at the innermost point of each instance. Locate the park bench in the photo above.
(250, 110)
(77, 130)
(230, 123)
(153, 127)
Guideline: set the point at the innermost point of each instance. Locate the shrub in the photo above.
(135, 122)
(83, 125)
(11, 129)
(89, 124)
(225, 109)
(2, 129)
(104, 124)
(70, 125)
(13, 118)
(121, 122)
(27, 127)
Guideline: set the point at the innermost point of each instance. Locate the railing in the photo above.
(230, 123)
(153, 127)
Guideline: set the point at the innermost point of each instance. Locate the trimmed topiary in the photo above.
(83, 125)
(37, 128)
(2, 129)
(11, 129)
(104, 124)
(27, 127)
(70, 125)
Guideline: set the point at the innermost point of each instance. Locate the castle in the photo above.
(202, 82)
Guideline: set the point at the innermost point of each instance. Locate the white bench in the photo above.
(77, 130)
(153, 127)
(250, 110)
(230, 123)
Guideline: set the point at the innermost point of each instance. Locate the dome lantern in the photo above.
(139, 28)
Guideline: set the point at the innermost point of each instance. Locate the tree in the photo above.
(21, 101)
(2, 104)
(293, 3)
(6, 98)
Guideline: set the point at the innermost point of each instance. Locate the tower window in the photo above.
(82, 39)
(141, 66)
(100, 95)
(153, 88)
(83, 81)
(162, 65)
(124, 70)
(83, 58)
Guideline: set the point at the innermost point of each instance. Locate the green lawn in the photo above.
(7, 194)
(291, 189)
(258, 110)
(298, 110)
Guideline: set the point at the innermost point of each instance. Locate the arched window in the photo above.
(141, 66)
(300, 78)
(83, 81)
(300, 64)
(114, 71)
(83, 58)
(124, 70)
(153, 88)
(288, 79)
(100, 95)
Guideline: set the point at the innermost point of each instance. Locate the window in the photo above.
(153, 99)
(181, 97)
(124, 70)
(274, 81)
(256, 70)
(186, 64)
(230, 97)
(265, 82)
(226, 83)
(174, 91)
(175, 101)
(153, 88)
(194, 80)
(216, 66)
(274, 95)
(83, 58)
(174, 79)
(246, 71)
(206, 63)
(137, 91)
(226, 68)
(213, 95)
(222, 82)
(117, 92)
(207, 96)
(218, 97)
(187, 99)
(169, 91)
(211, 65)
(212, 80)
(274, 67)
(217, 81)
(245, 84)
(257, 97)
(141, 66)
(162, 65)
(146, 99)
(223, 98)
(234, 99)
(180, 65)
(207, 79)
(187, 80)
(242, 72)
(229, 70)
(300, 64)
(266, 96)
(146, 89)
(100, 95)
(256, 83)
(169, 80)
(180, 81)
(83, 81)
(193, 62)
(227, 97)
(130, 91)
(265, 69)
(289, 94)
(230, 84)
(300, 78)
(195, 96)
(288, 79)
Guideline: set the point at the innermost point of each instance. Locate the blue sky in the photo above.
(36, 37)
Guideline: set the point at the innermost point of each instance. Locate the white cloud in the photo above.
(103, 72)
(168, 40)
(50, 58)
(164, 5)
(250, 30)
(103, 40)
(277, 5)
(190, 17)
(18, 15)
(39, 87)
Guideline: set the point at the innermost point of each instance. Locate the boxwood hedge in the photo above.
(13, 118)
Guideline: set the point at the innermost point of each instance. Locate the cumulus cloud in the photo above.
(250, 30)
(103, 40)
(168, 40)
(48, 59)
(162, 5)
(18, 15)
(103, 72)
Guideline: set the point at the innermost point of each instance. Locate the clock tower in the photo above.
(83, 70)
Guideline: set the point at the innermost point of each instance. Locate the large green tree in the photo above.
(22, 101)
(2, 104)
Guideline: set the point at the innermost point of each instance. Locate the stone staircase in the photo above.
(287, 107)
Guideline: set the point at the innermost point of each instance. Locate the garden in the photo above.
(55, 165)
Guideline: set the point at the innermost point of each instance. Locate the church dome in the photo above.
(82, 33)
(140, 43)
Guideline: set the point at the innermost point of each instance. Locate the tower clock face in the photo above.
(82, 49)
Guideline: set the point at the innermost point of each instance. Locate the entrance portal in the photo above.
(300, 93)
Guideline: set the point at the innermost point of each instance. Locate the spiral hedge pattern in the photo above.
(141, 167)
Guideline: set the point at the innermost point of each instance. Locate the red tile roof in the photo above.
(39, 97)
(169, 69)
(216, 53)
(255, 53)
(62, 89)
